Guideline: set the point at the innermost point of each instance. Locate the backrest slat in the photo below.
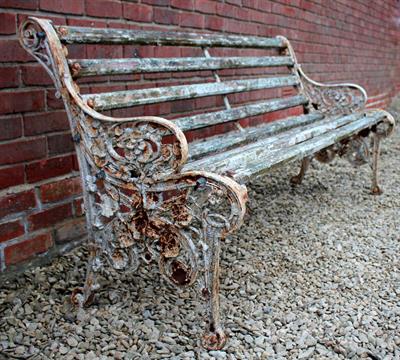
(120, 99)
(237, 113)
(93, 67)
(85, 35)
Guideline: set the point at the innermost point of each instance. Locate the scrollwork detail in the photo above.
(333, 99)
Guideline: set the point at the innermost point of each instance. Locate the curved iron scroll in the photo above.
(329, 99)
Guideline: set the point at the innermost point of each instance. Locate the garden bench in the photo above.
(149, 196)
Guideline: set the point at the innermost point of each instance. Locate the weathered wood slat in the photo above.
(284, 139)
(259, 157)
(85, 35)
(224, 142)
(240, 112)
(120, 99)
(93, 67)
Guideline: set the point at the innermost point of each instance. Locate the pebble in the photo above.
(72, 342)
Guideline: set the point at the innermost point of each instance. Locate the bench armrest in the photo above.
(329, 99)
(333, 99)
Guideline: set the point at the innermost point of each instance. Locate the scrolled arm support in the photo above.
(333, 99)
(386, 127)
(330, 99)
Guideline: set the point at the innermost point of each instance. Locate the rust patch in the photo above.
(205, 293)
(62, 31)
(75, 69)
(169, 242)
(90, 103)
(180, 274)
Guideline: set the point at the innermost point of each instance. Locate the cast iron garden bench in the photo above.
(151, 196)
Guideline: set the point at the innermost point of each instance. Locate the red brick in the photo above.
(22, 150)
(206, 6)
(78, 207)
(20, 101)
(137, 12)
(8, 76)
(11, 176)
(14, 203)
(45, 122)
(75, 162)
(104, 8)
(62, 6)
(24, 250)
(104, 51)
(183, 4)
(52, 101)
(49, 217)
(71, 230)
(60, 190)
(56, 20)
(214, 23)
(8, 23)
(192, 20)
(48, 168)
(165, 16)
(11, 50)
(87, 22)
(35, 75)
(60, 144)
(10, 127)
(157, 2)
(11, 230)
(20, 4)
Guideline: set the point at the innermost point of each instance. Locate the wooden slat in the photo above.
(223, 142)
(93, 67)
(240, 112)
(261, 156)
(119, 99)
(85, 35)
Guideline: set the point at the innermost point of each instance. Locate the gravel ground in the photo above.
(313, 274)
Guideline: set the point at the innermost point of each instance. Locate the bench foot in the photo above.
(84, 296)
(214, 340)
(298, 179)
(375, 165)
(376, 190)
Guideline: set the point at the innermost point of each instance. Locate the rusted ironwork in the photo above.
(338, 100)
(149, 198)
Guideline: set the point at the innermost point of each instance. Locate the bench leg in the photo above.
(206, 208)
(376, 190)
(214, 337)
(297, 179)
(84, 296)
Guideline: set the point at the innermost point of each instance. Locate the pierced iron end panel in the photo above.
(358, 149)
(333, 99)
(175, 222)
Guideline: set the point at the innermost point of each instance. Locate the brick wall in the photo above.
(40, 201)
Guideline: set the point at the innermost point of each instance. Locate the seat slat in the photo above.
(244, 162)
(240, 112)
(120, 99)
(85, 35)
(94, 67)
(223, 142)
